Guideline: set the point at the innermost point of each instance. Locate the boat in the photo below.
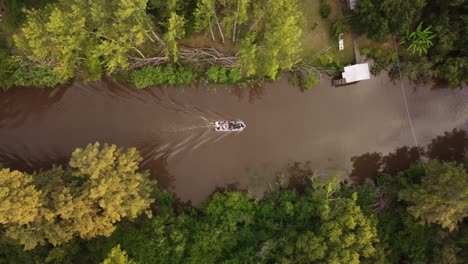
(228, 125)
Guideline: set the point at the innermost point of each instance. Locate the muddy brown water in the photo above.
(326, 126)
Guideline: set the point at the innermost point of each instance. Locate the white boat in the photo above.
(228, 125)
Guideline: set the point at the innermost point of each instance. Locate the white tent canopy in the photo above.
(356, 72)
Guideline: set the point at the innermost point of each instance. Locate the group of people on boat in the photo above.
(229, 126)
(235, 125)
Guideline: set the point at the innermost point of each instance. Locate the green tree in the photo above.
(8, 67)
(325, 10)
(205, 17)
(274, 42)
(321, 226)
(54, 36)
(442, 195)
(235, 15)
(78, 38)
(118, 256)
(419, 41)
(175, 30)
(216, 235)
(366, 18)
(223, 17)
(378, 18)
(454, 70)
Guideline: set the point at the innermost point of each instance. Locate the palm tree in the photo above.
(419, 40)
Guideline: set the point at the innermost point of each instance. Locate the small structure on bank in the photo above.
(352, 4)
(353, 74)
(340, 42)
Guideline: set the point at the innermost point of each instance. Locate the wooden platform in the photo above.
(338, 82)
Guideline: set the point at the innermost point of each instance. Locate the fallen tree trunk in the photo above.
(197, 56)
(151, 61)
(207, 56)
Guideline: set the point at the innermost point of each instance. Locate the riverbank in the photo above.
(176, 44)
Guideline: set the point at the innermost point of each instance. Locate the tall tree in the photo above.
(223, 18)
(274, 42)
(99, 188)
(442, 195)
(321, 227)
(205, 17)
(117, 256)
(175, 31)
(80, 37)
(54, 36)
(19, 199)
(378, 18)
(420, 40)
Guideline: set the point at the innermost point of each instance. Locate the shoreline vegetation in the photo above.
(101, 207)
(175, 42)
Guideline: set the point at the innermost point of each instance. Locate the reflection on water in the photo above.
(14, 112)
(452, 146)
(252, 94)
(401, 159)
(365, 166)
(171, 128)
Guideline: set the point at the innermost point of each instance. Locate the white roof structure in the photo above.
(352, 4)
(356, 72)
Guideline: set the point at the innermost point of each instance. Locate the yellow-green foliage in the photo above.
(99, 188)
(19, 199)
(175, 30)
(117, 256)
(68, 34)
(274, 44)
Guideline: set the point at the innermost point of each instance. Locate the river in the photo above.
(326, 126)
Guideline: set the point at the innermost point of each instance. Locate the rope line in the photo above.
(406, 104)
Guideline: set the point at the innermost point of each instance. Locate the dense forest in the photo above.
(100, 208)
(154, 42)
(84, 39)
(435, 33)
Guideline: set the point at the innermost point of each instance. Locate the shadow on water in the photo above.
(401, 159)
(160, 172)
(253, 93)
(365, 167)
(299, 174)
(443, 85)
(15, 161)
(452, 146)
